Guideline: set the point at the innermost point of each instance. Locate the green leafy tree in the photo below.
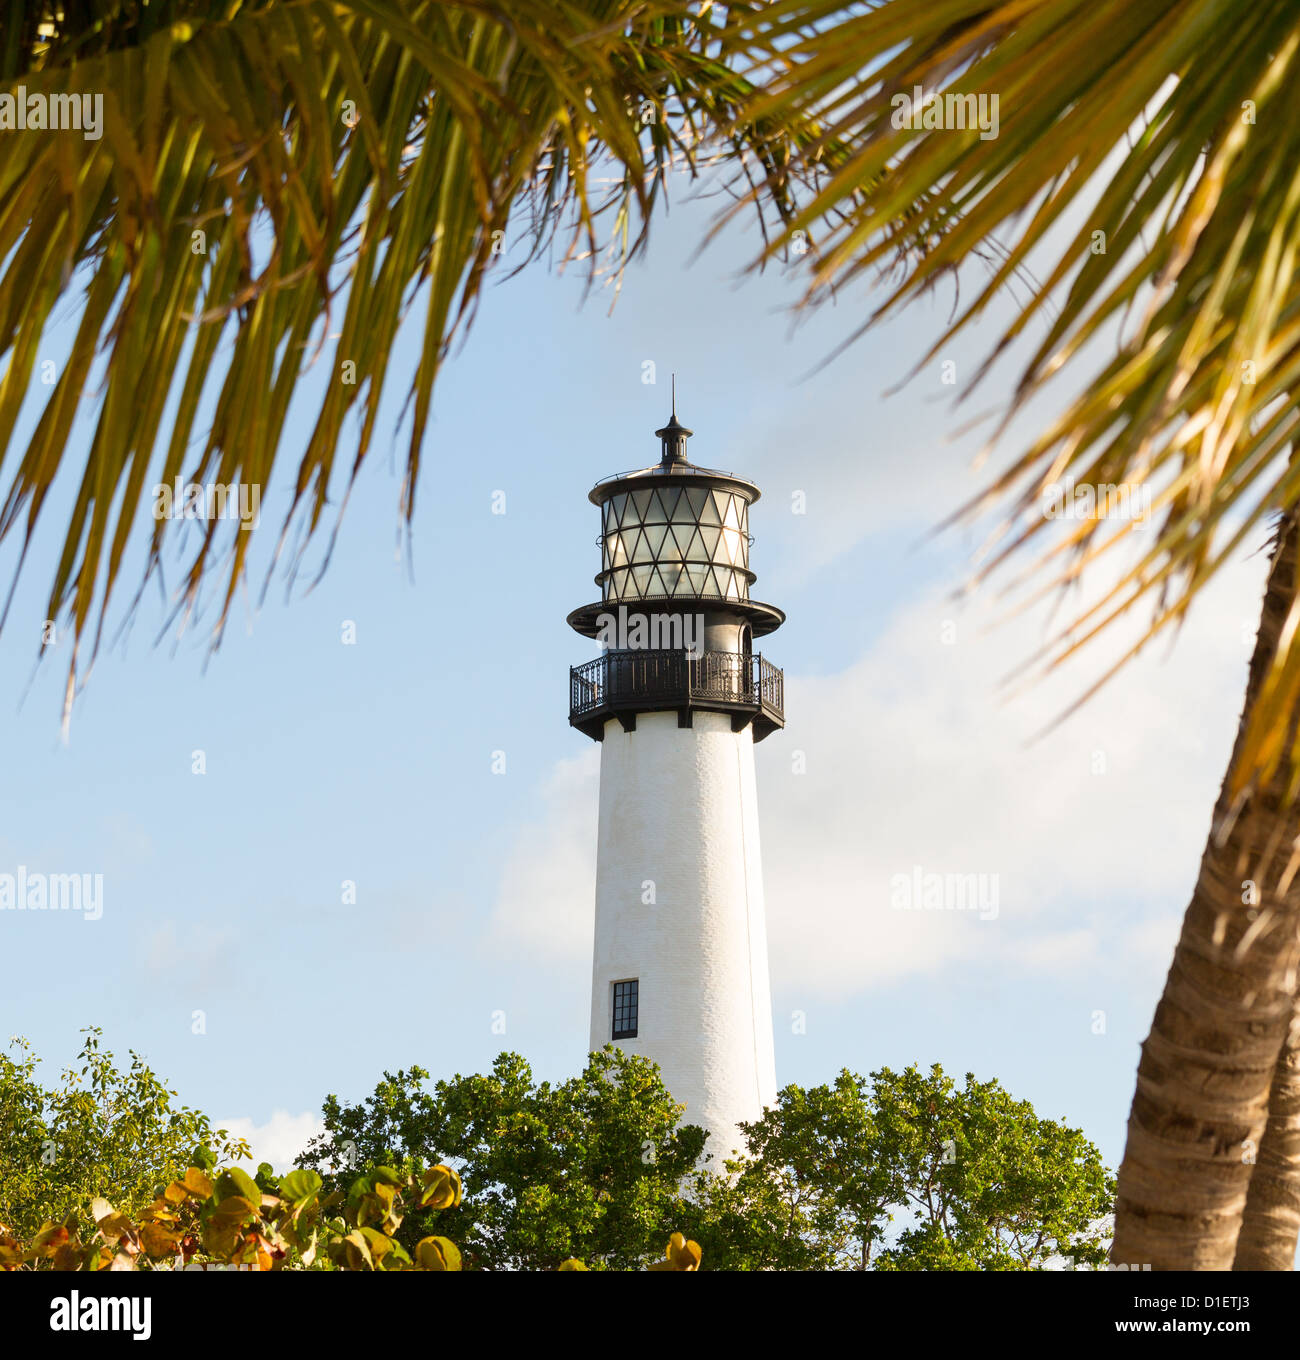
(813, 1192)
(590, 1168)
(102, 1127)
(756, 1219)
(906, 1172)
(1004, 1189)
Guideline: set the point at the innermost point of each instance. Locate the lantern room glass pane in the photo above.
(681, 536)
(654, 537)
(729, 517)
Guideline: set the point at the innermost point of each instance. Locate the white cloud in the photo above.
(279, 1140)
(911, 760)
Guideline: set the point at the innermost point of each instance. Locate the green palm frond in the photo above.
(1160, 138)
(277, 184)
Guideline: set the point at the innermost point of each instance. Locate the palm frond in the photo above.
(1194, 234)
(270, 173)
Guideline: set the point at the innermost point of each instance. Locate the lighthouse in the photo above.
(677, 698)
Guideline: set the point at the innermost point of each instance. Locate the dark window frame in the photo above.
(625, 1008)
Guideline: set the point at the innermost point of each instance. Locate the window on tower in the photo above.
(625, 1009)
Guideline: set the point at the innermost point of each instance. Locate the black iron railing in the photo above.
(665, 679)
(771, 686)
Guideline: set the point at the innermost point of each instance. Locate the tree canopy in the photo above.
(103, 1127)
(588, 1168)
(906, 1171)
(902, 1171)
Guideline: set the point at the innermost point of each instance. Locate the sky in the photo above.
(429, 762)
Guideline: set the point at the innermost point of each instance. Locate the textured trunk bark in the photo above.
(1270, 1225)
(1207, 1066)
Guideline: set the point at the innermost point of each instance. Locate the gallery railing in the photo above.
(664, 679)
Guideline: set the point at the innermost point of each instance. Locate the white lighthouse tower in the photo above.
(677, 700)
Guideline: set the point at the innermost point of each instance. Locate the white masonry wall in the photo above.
(679, 807)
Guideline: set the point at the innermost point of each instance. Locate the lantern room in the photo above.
(674, 543)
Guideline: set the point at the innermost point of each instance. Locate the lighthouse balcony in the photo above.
(622, 684)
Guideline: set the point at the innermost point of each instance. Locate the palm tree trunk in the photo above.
(1203, 1082)
(1270, 1225)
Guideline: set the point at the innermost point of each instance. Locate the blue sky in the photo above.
(372, 762)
